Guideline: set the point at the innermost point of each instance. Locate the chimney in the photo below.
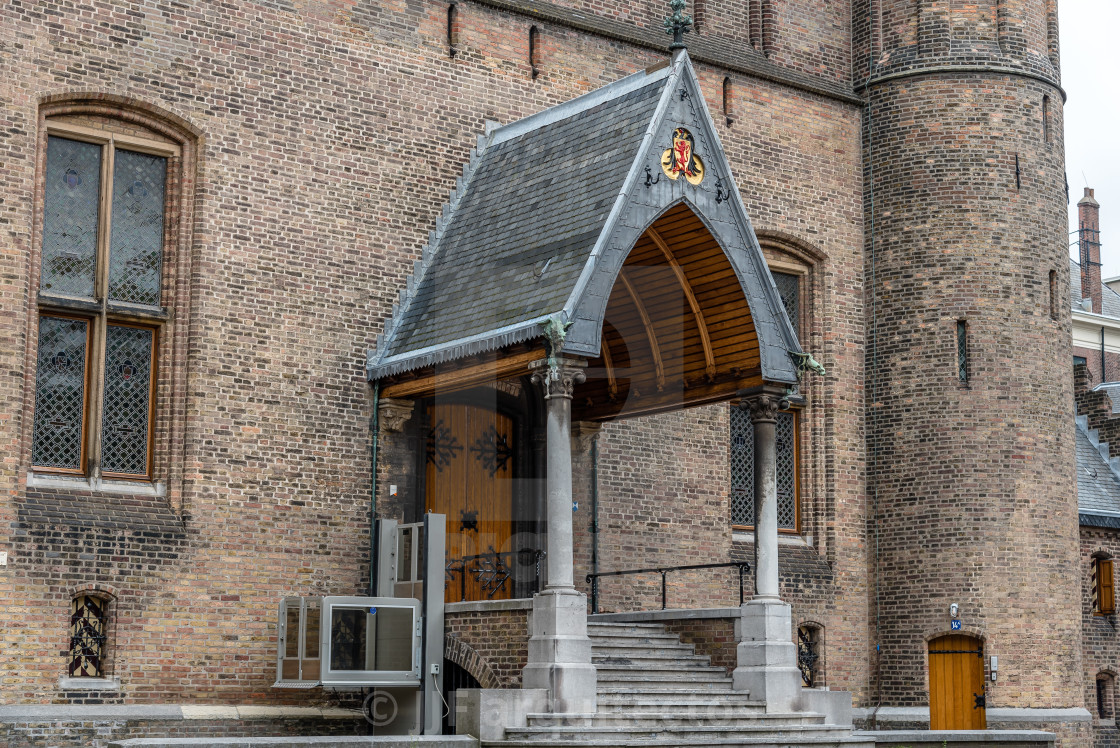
(1089, 241)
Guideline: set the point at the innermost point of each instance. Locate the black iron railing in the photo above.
(593, 579)
(493, 570)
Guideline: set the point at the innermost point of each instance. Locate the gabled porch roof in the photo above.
(547, 213)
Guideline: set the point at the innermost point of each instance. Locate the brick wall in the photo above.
(714, 637)
(94, 732)
(325, 151)
(966, 473)
(499, 641)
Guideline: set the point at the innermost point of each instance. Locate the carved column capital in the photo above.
(764, 408)
(394, 413)
(558, 377)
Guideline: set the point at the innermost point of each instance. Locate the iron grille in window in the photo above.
(808, 654)
(60, 393)
(789, 289)
(962, 351)
(124, 421)
(87, 637)
(742, 469)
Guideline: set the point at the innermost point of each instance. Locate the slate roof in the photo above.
(563, 176)
(544, 215)
(1098, 477)
(1110, 300)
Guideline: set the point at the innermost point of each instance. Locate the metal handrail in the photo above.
(593, 579)
(460, 566)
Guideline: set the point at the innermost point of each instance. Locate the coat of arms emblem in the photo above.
(681, 158)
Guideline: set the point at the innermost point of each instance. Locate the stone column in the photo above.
(559, 649)
(767, 656)
(764, 418)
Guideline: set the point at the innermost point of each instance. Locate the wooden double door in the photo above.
(469, 477)
(956, 683)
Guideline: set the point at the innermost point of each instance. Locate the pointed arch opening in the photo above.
(677, 330)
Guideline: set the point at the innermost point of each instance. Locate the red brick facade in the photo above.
(319, 143)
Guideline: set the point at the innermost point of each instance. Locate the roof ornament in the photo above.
(806, 362)
(555, 329)
(678, 24)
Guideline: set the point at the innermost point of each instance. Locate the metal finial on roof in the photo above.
(678, 24)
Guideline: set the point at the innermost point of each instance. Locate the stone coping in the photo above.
(328, 741)
(108, 712)
(488, 606)
(955, 737)
(994, 714)
(672, 614)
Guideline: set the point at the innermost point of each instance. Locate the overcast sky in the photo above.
(1091, 77)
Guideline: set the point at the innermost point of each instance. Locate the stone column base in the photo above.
(560, 652)
(767, 658)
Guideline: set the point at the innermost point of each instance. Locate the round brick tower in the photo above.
(972, 493)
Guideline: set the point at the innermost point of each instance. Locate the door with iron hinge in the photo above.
(956, 683)
(469, 477)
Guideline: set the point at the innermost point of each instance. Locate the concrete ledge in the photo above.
(889, 714)
(113, 712)
(488, 606)
(677, 614)
(961, 738)
(387, 741)
(89, 684)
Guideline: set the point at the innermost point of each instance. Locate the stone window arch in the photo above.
(113, 209)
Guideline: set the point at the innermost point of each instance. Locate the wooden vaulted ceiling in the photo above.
(678, 330)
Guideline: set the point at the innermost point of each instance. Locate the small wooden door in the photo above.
(956, 683)
(469, 477)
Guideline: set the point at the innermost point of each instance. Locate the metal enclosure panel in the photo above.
(435, 542)
(365, 636)
(386, 556)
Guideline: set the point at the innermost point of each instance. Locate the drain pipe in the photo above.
(373, 540)
(595, 523)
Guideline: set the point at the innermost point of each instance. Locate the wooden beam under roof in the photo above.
(651, 334)
(497, 366)
(697, 313)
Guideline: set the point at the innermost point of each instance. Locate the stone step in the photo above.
(683, 741)
(646, 700)
(696, 734)
(729, 718)
(673, 646)
(650, 630)
(675, 687)
(652, 660)
(661, 674)
(636, 640)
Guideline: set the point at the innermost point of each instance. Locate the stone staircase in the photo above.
(655, 691)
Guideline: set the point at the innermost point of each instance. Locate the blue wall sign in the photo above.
(955, 625)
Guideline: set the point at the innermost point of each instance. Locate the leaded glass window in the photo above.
(742, 469)
(789, 290)
(60, 393)
(136, 246)
(88, 619)
(72, 205)
(104, 215)
(128, 385)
